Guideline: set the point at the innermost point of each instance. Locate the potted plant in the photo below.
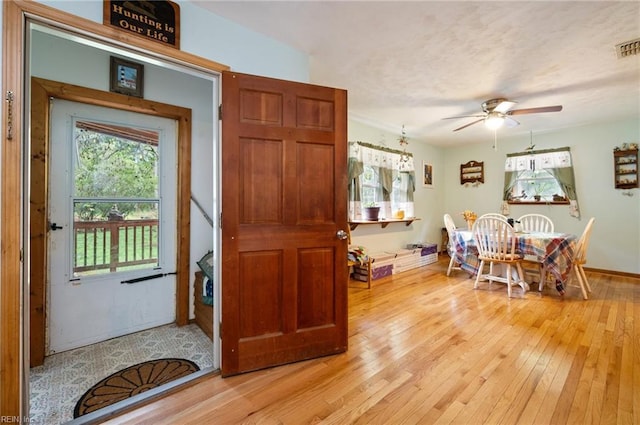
(539, 187)
(371, 211)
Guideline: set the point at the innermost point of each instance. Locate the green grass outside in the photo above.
(127, 251)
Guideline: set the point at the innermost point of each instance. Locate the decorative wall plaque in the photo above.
(471, 172)
(157, 20)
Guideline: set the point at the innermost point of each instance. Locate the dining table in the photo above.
(551, 249)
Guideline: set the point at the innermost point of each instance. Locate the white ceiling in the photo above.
(414, 63)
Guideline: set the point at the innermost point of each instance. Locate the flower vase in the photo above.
(470, 223)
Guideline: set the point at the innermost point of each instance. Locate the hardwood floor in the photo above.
(425, 349)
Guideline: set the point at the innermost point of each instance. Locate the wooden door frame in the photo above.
(13, 354)
(41, 91)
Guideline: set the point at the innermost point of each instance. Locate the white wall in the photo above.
(615, 240)
(215, 38)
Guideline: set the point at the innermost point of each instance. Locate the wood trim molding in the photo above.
(11, 332)
(113, 35)
(13, 356)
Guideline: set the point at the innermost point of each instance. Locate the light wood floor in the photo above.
(426, 349)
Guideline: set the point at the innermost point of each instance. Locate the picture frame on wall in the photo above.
(427, 174)
(126, 77)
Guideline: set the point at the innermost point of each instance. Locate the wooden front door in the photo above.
(284, 199)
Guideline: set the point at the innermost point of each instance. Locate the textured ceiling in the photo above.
(415, 63)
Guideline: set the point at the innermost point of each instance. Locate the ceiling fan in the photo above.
(498, 112)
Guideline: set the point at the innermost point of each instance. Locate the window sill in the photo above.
(538, 202)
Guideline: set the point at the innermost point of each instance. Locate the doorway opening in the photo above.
(144, 250)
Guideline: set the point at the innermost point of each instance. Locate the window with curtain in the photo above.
(381, 177)
(544, 176)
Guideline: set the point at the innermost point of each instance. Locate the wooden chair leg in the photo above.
(584, 278)
(576, 269)
(543, 278)
(521, 273)
(451, 262)
(475, 285)
(508, 280)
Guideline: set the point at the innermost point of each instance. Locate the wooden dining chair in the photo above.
(494, 215)
(580, 259)
(536, 223)
(451, 250)
(496, 243)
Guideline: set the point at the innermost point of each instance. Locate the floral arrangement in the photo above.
(469, 215)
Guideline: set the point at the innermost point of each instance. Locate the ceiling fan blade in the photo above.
(510, 122)
(504, 106)
(465, 116)
(556, 108)
(471, 123)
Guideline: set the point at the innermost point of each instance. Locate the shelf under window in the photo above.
(383, 223)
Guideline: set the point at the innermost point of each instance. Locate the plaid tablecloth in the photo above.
(553, 250)
(464, 248)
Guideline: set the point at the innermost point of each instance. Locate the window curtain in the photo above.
(387, 165)
(556, 161)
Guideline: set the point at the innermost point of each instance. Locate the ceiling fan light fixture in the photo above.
(494, 120)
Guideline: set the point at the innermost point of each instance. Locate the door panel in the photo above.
(284, 273)
(88, 302)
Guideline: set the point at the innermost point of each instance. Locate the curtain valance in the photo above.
(538, 160)
(378, 156)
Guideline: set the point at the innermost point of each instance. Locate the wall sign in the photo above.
(157, 20)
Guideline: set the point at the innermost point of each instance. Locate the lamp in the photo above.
(494, 120)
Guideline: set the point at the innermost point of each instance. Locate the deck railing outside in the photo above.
(109, 246)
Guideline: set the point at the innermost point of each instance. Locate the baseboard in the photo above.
(613, 272)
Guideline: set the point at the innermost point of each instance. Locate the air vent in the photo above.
(629, 48)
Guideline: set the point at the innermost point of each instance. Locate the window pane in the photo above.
(121, 241)
(371, 189)
(115, 198)
(536, 185)
(110, 166)
(399, 196)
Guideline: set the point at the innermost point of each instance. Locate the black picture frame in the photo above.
(126, 77)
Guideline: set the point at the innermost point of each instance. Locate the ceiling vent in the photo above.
(628, 48)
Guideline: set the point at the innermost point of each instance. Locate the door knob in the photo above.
(54, 226)
(342, 235)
